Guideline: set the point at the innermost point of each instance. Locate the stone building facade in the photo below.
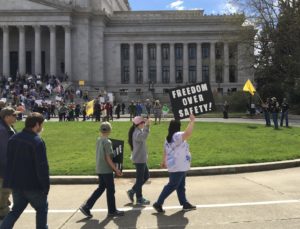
(126, 52)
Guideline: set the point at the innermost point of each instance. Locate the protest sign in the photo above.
(191, 99)
(118, 148)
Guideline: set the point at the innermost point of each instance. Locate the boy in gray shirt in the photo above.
(104, 168)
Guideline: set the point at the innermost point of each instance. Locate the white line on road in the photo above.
(180, 207)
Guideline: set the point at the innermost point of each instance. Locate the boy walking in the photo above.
(104, 168)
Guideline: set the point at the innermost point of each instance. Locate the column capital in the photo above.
(67, 28)
(37, 28)
(52, 28)
(5, 28)
(21, 28)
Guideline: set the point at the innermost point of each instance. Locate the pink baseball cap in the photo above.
(138, 120)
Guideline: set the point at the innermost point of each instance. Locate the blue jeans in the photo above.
(267, 118)
(106, 181)
(37, 199)
(142, 175)
(275, 119)
(176, 182)
(284, 115)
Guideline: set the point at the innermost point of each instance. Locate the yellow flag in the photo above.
(249, 87)
(90, 107)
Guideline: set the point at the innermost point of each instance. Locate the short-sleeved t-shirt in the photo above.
(103, 147)
(178, 157)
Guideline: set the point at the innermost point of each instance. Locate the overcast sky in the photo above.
(209, 6)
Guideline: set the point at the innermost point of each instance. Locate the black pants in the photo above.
(106, 181)
(142, 175)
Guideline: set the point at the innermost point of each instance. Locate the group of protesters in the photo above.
(24, 169)
(271, 108)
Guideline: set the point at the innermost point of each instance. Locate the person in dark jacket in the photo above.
(27, 172)
(274, 109)
(284, 113)
(8, 117)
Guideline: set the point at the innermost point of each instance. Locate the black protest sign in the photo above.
(191, 99)
(118, 148)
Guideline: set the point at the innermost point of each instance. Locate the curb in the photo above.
(196, 171)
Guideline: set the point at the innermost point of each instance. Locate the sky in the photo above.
(209, 6)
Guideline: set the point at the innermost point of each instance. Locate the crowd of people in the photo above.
(46, 95)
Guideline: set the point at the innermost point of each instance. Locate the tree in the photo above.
(277, 45)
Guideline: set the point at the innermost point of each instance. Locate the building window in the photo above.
(138, 91)
(139, 51)
(123, 91)
(139, 75)
(178, 74)
(192, 51)
(152, 74)
(125, 75)
(205, 73)
(166, 90)
(166, 75)
(219, 74)
(192, 74)
(152, 52)
(178, 51)
(218, 51)
(125, 51)
(205, 51)
(165, 52)
(232, 51)
(220, 90)
(232, 74)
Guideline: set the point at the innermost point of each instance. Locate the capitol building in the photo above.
(107, 46)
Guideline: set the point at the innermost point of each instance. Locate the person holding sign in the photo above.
(104, 168)
(177, 159)
(137, 137)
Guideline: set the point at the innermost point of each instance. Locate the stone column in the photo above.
(185, 63)
(37, 50)
(226, 63)
(22, 53)
(131, 63)
(158, 64)
(145, 64)
(199, 62)
(52, 49)
(212, 67)
(6, 70)
(172, 63)
(68, 52)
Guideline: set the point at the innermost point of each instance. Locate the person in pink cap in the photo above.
(137, 137)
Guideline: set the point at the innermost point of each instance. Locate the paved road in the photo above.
(249, 200)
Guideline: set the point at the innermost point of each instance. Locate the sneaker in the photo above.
(116, 213)
(143, 201)
(187, 207)
(85, 211)
(130, 195)
(158, 208)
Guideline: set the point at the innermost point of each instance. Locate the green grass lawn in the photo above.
(71, 145)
